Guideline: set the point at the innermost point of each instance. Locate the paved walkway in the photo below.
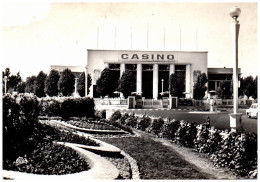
(160, 159)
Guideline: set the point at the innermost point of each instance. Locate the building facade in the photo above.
(152, 68)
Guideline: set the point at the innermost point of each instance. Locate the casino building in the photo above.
(152, 68)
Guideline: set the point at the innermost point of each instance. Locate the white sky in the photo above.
(37, 35)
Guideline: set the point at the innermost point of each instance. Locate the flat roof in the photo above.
(145, 50)
(72, 68)
(222, 70)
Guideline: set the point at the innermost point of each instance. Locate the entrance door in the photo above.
(147, 80)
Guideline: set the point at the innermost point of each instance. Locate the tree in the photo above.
(177, 86)
(21, 87)
(127, 83)
(105, 84)
(249, 86)
(81, 84)
(199, 87)
(51, 83)
(12, 80)
(29, 84)
(39, 84)
(256, 86)
(224, 90)
(66, 82)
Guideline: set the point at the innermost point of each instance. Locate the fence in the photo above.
(110, 101)
(242, 102)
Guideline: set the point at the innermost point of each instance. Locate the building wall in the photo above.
(195, 62)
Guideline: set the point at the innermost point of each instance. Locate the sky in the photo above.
(36, 35)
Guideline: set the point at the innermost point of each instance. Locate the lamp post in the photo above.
(5, 80)
(162, 85)
(235, 117)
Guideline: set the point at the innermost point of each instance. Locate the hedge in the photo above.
(68, 107)
(20, 118)
(235, 150)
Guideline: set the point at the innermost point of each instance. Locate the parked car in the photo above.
(252, 111)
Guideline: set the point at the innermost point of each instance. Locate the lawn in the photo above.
(156, 161)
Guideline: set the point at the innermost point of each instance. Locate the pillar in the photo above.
(172, 69)
(139, 78)
(155, 81)
(122, 69)
(188, 81)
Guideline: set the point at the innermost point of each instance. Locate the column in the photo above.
(122, 69)
(86, 81)
(188, 81)
(139, 78)
(155, 81)
(172, 69)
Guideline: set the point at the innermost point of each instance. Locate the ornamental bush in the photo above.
(144, 122)
(238, 152)
(157, 125)
(20, 118)
(169, 128)
(115, 116)
(131, 121)
(186, 134)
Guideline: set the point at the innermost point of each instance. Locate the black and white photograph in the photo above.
(129, 90)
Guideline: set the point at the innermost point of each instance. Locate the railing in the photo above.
(224, 102)
(110, 101)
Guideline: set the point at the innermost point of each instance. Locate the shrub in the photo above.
(238, 152)
(144, 122)
(100, 114)
(20, 118)
(123, 118)
(157, 125)
(115, 116)
(169, 128)
(131, 121)
(186, 134)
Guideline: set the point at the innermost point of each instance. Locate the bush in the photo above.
(115, 116)
(20, 118)
(123, 118)
(131, 121)
(144, 123)
(186, 134)
(157, 125)
(169, 128)
(238, 152)
(100, 114)
(71, 107)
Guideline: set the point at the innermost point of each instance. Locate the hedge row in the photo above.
(20, 118)
(69, 107)
(235, 150)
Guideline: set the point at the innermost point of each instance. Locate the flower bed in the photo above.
(49, 159)
(92, 125)
(235, 150)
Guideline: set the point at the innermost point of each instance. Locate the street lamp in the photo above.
(235, 117)
(5, 80)
(162, 85)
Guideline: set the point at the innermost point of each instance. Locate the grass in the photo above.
(156, 161)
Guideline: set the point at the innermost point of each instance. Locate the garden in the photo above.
(69, 138)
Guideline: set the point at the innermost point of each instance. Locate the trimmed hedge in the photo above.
(20, 118)
(69, 107)
(235, 150)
